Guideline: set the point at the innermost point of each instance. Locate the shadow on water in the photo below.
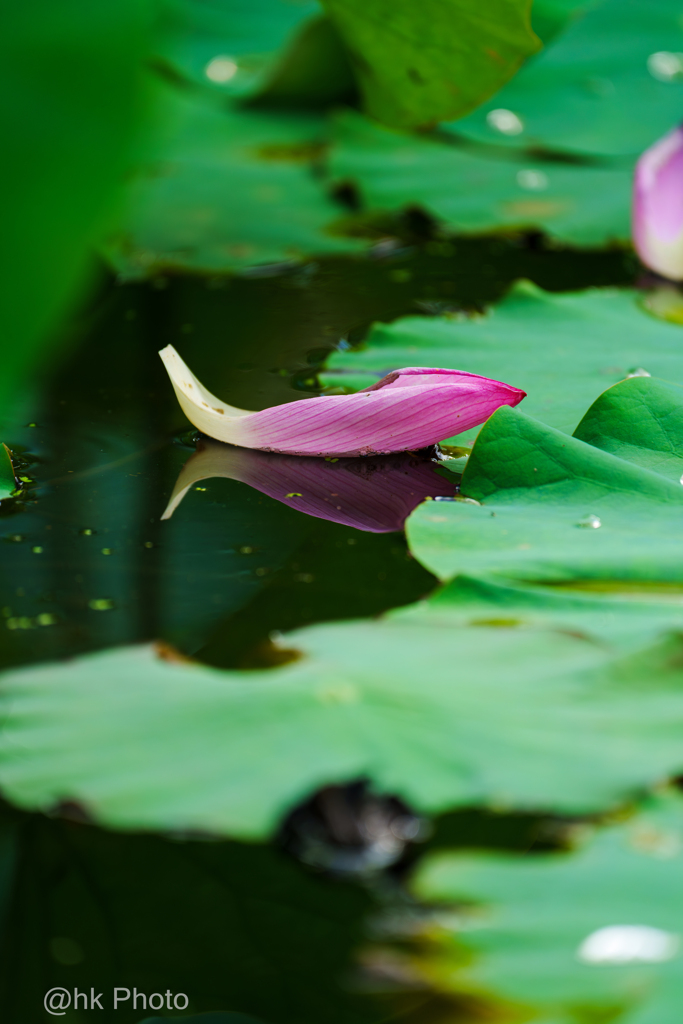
(238, 926)
(88, 562)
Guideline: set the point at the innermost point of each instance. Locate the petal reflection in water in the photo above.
(374, 494)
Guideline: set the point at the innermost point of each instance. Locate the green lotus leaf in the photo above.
(543, 506)
(609, 85)
(563, 350)
(625, 618)
(422, 63)
(232, 46)
(226, 188)
(533, 929)
(475, 189)
(549, 17)
(640, 420)
(557, 708)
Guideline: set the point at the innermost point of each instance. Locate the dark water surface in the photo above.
(87, 562)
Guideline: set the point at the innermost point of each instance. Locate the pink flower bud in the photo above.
(658, 206)
(406, 410)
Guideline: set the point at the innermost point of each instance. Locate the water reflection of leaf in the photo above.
(373, 494)
(235, 926)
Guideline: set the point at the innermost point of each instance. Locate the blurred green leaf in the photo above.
(71, 75)
(560, 710)
(624, 619)
(227, 188)
(314, 70)
(243, 38)
(550, 17)
(522, 923)
(609, 85)
(562, 349)
(422, 63)
(470, 190)
(546, 506)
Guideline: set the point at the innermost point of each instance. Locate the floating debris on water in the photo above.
(348, 829)
(26, 622)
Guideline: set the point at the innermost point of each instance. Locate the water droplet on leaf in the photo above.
(533, 181)
(628, 943)
(221, 69)
(666, 66)
(505, 121)
(590, 522)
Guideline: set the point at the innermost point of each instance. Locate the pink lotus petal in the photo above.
(658, 206)
(375, 494)
(407, 410)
